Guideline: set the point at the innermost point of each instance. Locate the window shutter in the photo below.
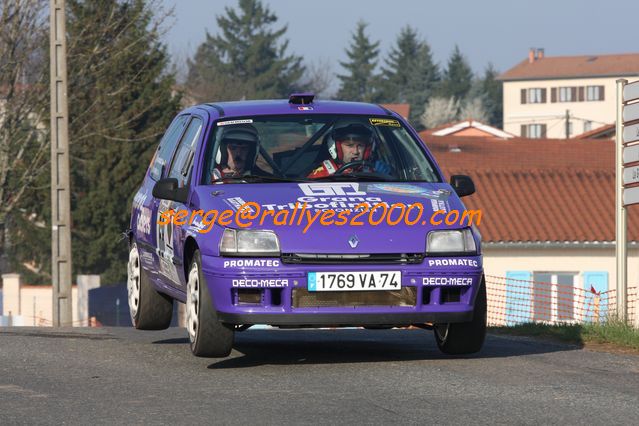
(523, 131)
(581, 94)
(543, 96)
(523, 96)
(518, 297)
(543, 131)
(573, 93)
(553, 94)
(601, 93)
(597, 280)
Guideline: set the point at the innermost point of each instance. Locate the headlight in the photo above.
(249, 243)
(457, 241)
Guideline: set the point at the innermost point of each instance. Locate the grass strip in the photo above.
(612, 332)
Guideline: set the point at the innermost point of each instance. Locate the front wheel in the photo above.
(207, 335)
(465, 337)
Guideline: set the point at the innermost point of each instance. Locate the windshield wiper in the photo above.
(260, 178)
(357, 176)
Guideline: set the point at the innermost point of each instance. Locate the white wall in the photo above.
(552, 114)
(498, 261)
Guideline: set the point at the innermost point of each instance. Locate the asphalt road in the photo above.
(120, 375)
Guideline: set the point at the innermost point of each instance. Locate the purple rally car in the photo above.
(273, 166)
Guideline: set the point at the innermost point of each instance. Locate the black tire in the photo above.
(208, 337)
(465, 337)
(153, 310)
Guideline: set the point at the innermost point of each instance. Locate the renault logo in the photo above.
(353, 241)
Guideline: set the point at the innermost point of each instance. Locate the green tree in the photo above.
(120, 103)
(458, 77)
(492, 96)
(360, 83)
(24, 142)
(410, 75)
(247, 60)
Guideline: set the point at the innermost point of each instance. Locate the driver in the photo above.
(237, 153)
(348, 143)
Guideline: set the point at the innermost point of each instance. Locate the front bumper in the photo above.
(265, 291)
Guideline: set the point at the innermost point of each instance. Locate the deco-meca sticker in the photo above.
(446, 281)
(384, 122)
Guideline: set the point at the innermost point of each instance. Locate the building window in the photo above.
(533, 96)
(587, 126)
(594, 93)
(567, 94)
(536, 96)
(553, 296)
(533, 131)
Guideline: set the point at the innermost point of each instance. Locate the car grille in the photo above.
(302, 298)
(379, 258)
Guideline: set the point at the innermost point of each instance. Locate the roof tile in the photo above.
(537, 190)
(574, 67)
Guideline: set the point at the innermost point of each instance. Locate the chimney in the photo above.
(531, 55)
(540, 53)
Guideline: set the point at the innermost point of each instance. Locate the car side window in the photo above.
(182, 163)
(167, 146)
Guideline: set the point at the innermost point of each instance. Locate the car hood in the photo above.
(312, 198)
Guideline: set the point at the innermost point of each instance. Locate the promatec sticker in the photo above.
(384, 122)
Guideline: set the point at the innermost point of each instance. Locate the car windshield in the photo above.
(315, 147)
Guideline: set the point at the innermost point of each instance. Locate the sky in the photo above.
(486, 31)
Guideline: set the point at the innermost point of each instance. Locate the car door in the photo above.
(171, 236)
(147, 205)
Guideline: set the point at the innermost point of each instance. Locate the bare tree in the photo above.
(319, 77)
(473, 109)
(439, 111)
(24, 106)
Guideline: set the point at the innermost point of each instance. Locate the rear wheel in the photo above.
(207, 335)
(466, 337)
(149, 309)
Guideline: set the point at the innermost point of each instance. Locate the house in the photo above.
(563, 96)
(401, 109)
(548, 224)
(607, 131)
(470, 128)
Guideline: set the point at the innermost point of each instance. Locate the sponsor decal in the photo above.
(329, 166)
(453, 262)
(236, 203)
(143, 224)
(384, 122)
(227, 123)
(139, 199)
(412, 190)
(439, 205)
(246, 263)
(331, 188)
(259, 283)
(305, 108)
(447, 281)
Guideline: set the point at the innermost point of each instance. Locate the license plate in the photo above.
(354, 281)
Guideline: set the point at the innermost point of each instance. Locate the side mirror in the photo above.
(462, 184)
(167, 189)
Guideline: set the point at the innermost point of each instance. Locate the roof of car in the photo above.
(282, 106)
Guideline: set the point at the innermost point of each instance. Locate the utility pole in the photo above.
(567, 124)
(60, 185)
(621, 213)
